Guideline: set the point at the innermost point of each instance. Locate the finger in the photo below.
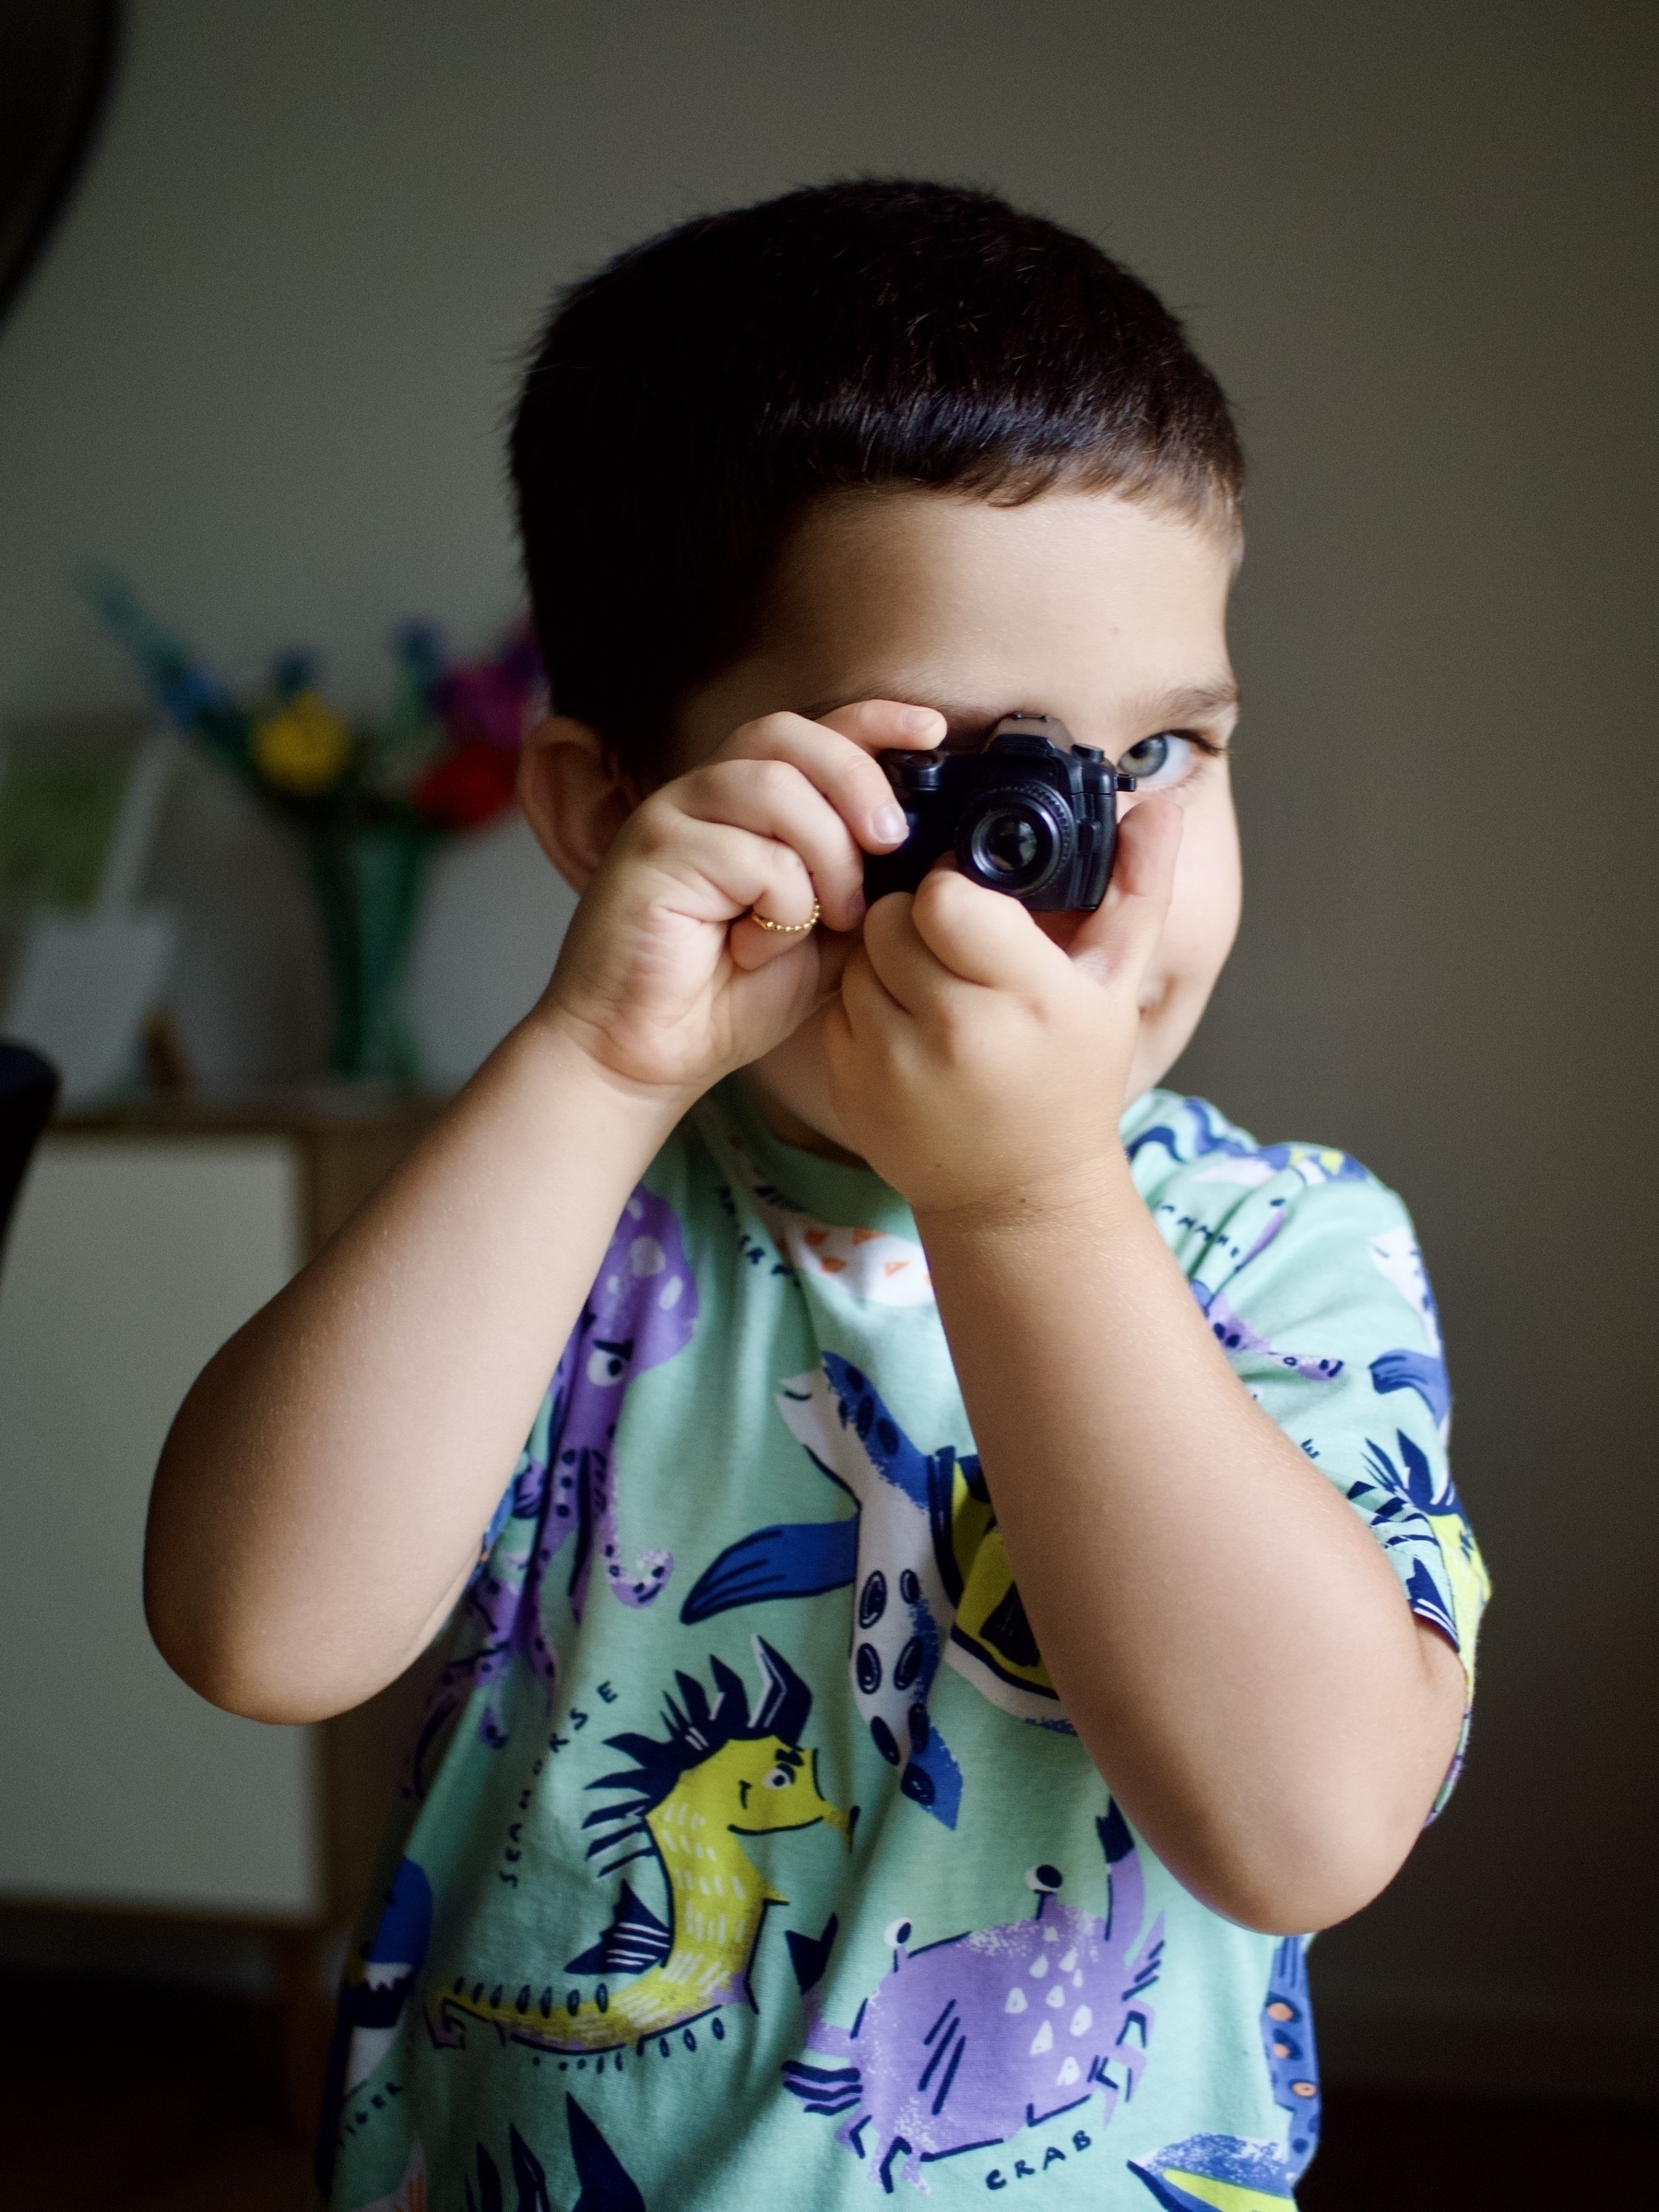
(836, 756)
(972, 935)
(718, 872)
(864, 997)
(1120, 936)
(773, 798)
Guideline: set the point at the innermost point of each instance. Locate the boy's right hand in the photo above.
(663, 981)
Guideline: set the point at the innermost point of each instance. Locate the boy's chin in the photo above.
(790, 1086)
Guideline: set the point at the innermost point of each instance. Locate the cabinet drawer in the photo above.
(130, 1261)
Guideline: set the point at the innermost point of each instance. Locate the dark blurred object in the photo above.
(167, 1069)
(58, 62)
(28, 1094)
(192, 2121)
(1385, 2147)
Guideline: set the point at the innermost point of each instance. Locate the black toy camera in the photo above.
(1033, 815)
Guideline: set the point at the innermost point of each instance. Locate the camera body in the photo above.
(1031, 817)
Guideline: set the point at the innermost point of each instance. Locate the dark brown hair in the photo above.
(687, 403)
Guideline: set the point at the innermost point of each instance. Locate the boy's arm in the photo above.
(1250, 1682)
(321, 1497)
(1225, 1633)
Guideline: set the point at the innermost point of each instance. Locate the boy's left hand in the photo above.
(976, 1062)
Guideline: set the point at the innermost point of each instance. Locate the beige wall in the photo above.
(263, 374)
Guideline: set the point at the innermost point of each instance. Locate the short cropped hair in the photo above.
(687, 403)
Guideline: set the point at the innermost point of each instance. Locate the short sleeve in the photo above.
(1318, 1295)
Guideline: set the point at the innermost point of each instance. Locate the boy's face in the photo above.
(1104, 613)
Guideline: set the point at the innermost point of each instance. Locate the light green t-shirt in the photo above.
(750, 1858)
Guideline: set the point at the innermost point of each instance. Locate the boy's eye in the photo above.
(1159, 759)
(779, 1779)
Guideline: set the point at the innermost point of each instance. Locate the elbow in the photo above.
(1302, 1882)
(225, 1652)
(210, 1658)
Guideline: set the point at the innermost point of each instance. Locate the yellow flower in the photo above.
(304, 745)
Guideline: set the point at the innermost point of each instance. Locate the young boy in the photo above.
(983, 1576)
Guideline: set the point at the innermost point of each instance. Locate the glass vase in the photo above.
(369, 881)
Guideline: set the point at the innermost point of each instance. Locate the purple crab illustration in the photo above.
(641, 1311)
(969, 2041)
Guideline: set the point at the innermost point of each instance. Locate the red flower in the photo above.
(468, 786)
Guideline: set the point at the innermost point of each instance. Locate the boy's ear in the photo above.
(573, 799)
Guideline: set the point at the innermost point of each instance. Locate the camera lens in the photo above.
(1007, 841)
(1017, 841)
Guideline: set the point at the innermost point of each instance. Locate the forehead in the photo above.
(1072, 596)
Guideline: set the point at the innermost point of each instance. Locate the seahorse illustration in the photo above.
(641, 1311)
(971, 2040)
(721, 1774)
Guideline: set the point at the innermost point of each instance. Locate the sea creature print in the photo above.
(1420, 1368)
(899, 1550)
(606, 2184)
(1412, 1508)
(1217, 2174)
(721, 1772)
(1287, 2044)
(641, 1311)
(1239, 1340)
(1230, 2174)
(372, 2008)
(969, 2042)
(1197, 1132)
(877, 1266)
(1395, 1256)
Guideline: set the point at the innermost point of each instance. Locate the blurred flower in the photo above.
(469, 786)
(491, 699)
(303, 746)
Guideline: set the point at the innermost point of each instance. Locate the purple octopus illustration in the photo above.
(970, 2041)
(900, 1550)
(1239, 1340)
(641, 1311)
(1230, 2174)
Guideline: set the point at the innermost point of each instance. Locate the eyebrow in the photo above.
(1187, 703)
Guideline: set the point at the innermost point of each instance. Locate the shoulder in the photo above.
(1237, 1211)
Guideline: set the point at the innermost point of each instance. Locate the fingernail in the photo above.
(890, 826)
(918, 717)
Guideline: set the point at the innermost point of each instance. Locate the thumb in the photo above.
(1118, 940)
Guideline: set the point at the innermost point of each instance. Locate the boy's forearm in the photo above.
(1230, 1642)
(321, 1497)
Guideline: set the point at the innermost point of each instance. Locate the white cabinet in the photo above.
(131, 1259)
